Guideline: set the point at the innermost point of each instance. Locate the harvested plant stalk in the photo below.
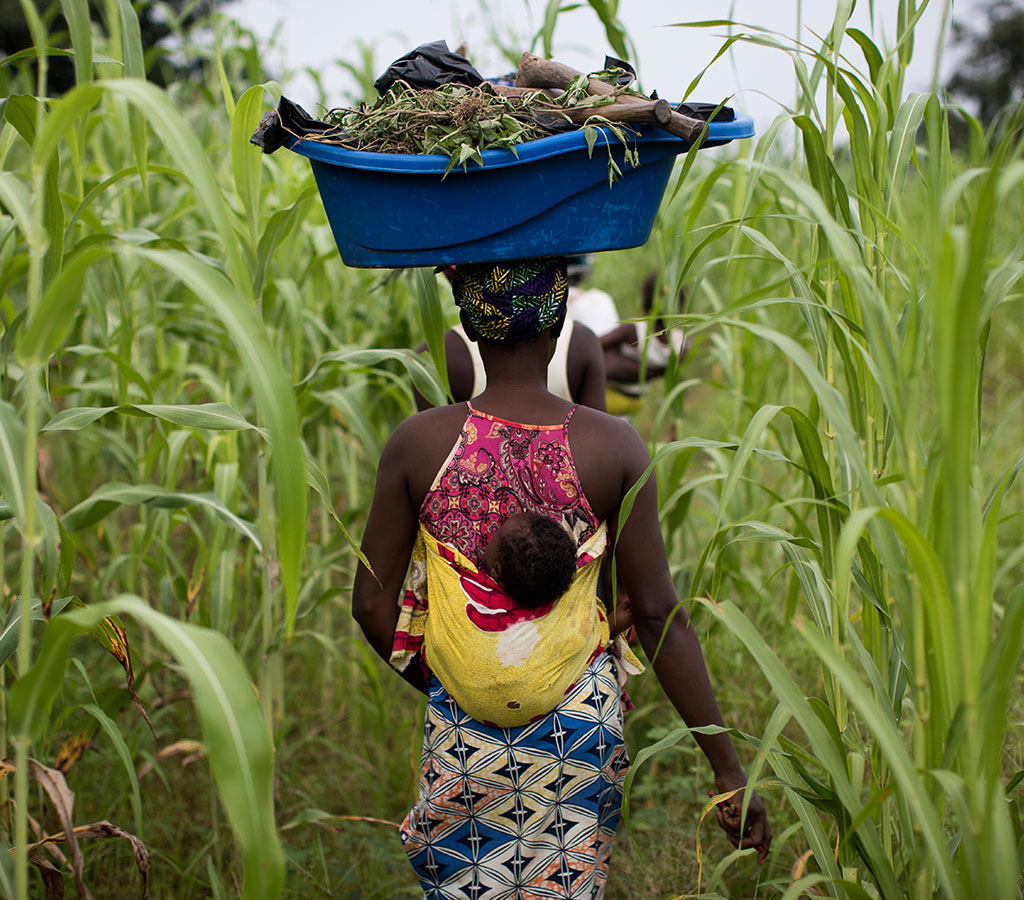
(461, 122)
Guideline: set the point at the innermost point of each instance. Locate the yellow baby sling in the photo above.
(503, 664)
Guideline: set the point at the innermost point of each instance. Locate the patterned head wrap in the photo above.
(508, 301)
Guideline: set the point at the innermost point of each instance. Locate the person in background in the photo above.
(576, 370)
(587, 305)
(633, 353)
(531, 809)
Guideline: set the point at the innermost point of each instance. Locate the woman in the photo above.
(530, 810)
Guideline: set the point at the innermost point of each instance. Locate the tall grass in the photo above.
(184, 358)
(872, 284)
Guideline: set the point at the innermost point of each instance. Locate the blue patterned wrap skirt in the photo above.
(520, 813)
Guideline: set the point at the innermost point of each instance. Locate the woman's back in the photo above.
(600, 444)
(497, 469)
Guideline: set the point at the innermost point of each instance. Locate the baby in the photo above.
(532, 558)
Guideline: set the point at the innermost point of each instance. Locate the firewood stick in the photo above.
(653, 112)
(517, 93)
(535, 72)
(658, 112)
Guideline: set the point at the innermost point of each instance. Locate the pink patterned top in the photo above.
(498, 469)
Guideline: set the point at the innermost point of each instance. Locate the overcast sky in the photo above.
(318, 34)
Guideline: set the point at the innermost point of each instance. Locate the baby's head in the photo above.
(532, 558)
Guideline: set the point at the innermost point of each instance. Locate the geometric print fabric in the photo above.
(520, 813)
(508, 301)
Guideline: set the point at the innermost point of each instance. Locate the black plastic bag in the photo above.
(703, 111)
(429, 66)
(288, 120)
(628, 75)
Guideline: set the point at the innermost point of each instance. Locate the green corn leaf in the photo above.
(669, 740)
(113, 734)
(751, 437)
(901, 144)
(614, 30)
(316, 479)
(25, 113)
(12, 447)
(878, 718)
(9, 634)
(203, 416)
(871, 54)
(426, 378)
(1002, 661)
(76, 14)
(432, 323)
(236, 742)
(279, 226)
(349, 405)
(17, 200)
(63, 114)
(105, 499)
(274, 399)
(134, 67)
(547, 31)
(222, 76)
(54, 317)
(246, 160)
(67, 555)
(182, 145)
(791, 697)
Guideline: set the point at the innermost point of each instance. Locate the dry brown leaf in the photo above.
(114, 636)
(369, 819)
(800, 866)
(192, 592)
(71, 751)
(102, 829)
(53, 881)
(193, 750)
(48, 604)
(63, 800)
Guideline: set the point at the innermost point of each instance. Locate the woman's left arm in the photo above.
(387, 545)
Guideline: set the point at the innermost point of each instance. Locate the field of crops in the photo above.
(195, 392)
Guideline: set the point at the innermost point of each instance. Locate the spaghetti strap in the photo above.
(569, 415)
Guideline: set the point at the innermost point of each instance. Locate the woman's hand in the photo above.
(620, 617)
(754, 831)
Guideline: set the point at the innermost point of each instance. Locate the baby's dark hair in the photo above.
(537, 559)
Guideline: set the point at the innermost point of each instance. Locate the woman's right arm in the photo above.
(671, 643)
(387, 545)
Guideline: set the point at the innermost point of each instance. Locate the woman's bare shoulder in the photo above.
(420, 444)
(609, 456)
(607, 429)
(430, 424)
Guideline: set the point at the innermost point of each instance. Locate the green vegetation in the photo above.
(184, 358)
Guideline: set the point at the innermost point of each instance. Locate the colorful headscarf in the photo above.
(508, 301)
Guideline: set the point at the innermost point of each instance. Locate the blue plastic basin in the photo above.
(550, 198)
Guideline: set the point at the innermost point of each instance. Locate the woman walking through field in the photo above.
(523, 798)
